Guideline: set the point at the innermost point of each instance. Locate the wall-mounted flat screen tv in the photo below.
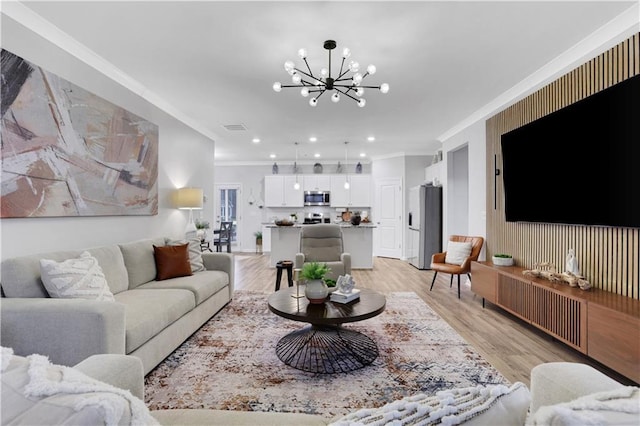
(579, 165)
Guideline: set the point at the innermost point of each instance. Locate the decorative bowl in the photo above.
(284, 223)
(502, 261)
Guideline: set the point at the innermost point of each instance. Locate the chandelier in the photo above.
(348, 85)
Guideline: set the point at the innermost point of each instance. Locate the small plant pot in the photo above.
(502, 261)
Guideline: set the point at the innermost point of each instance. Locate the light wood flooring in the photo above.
(509, 344)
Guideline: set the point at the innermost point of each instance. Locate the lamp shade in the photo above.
(190, 198)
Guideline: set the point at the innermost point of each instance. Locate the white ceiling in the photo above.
(215, 62)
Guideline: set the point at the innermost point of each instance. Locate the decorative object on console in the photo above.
(316, 289)
(547, 271)
(105, 164)
(339, 168)
(500, 259)
(201, 226)
(190, 199)
(274, 169)
(359, 168)
(355, 218)
(345, 284)
(309, 83)
(317, 168)
(572, 263)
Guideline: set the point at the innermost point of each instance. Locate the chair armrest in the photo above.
(345, 258)
(221, 262)
(65, 330)
(556, 382)
(299, 261)
(122, 371)
(438, 257)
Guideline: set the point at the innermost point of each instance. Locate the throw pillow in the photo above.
(457, 252)
(172, 261)
(480, 405)
(195, 253)
(78, 278)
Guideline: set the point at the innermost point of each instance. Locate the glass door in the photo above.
(227, 209)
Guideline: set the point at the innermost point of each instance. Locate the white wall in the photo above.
(185, 159)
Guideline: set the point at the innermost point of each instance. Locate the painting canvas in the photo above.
(68, 152)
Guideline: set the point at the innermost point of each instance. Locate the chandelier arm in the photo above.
(340, 74)
(346, 93)
(322, 91)
(308, 67)
(355, 87)
(308, 75)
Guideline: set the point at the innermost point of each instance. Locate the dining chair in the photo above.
(461, 251)
(223, 237)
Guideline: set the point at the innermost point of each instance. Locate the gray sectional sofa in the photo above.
(149, 318)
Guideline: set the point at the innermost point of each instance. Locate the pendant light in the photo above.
(296, 185)
(346, 169)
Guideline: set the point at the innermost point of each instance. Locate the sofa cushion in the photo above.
(21, 275)
(172, 261)
(195, 253)
(457, 252)
(76, 278)
(139, 260)
(150, 311)
(203, 284)
(480, 405)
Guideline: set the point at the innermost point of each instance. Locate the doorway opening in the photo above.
(227, 208)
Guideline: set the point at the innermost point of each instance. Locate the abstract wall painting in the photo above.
(68, 152)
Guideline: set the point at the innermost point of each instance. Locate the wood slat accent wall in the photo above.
(609, 257)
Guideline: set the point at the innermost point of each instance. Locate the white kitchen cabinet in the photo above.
(279, 191)
(358, 194)
(266, 238)
(317, 183)
(358, 241)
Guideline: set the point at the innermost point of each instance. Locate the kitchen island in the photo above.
(357, 239)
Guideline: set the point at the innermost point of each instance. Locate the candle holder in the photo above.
(296, 278)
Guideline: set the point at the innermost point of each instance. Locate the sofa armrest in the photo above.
(221, 262)
(65, 330)
(556, 382)
(122, 371)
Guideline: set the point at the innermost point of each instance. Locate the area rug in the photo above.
(230, 363)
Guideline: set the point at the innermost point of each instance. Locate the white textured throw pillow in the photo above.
(457, 252)
(480, 405)
(195, 253)
(79, 278)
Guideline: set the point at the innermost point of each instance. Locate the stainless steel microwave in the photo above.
(317, 198)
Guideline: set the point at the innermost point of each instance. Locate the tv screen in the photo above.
(579, 165)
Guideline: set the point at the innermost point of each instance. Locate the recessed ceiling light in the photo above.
(272, 156)
(316, 155)
(362, 154)
(371, 138)
(255, 140)
(313, 139)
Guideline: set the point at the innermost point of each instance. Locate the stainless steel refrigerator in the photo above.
(425, 225)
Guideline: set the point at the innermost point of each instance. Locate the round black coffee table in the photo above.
(325, 346)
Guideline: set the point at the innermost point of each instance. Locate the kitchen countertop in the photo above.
(342, 225)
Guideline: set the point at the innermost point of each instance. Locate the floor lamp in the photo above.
(190, 199)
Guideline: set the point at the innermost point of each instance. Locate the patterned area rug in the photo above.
(230, 363)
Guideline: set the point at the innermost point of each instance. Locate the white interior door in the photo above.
(227, 208)
(388, 218)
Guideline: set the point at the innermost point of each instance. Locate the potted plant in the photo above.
(258, 235)
(501, 259)
(201, 227)
(316, 289)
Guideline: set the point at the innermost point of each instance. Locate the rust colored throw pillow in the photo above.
(172, 261)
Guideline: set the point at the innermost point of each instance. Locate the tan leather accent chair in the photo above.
(323, 243)
(439, 264)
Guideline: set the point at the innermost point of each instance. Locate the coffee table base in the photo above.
(326, 349)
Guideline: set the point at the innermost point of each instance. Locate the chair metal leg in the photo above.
(433, 280)
(469, 275)
(458, 286)
(451, 281)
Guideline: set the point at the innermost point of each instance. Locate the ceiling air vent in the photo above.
(234, 127)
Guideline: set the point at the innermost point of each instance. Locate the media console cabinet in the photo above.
(603, 325)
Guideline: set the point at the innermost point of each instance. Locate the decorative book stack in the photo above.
(340, 297)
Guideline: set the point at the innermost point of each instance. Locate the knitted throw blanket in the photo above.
(46, 379)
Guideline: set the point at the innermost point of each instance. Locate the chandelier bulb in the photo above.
(357, 79)
(354, 66)
(304, 92)
(384, 87)
(277, 86)
(359, 91)
(313, 102)
(335, 97)
(302, 53)
(371, 69)
(362, 102)
(346, 52)
(346, 185)
(296, 78)
(289, 67)
(324, 72)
